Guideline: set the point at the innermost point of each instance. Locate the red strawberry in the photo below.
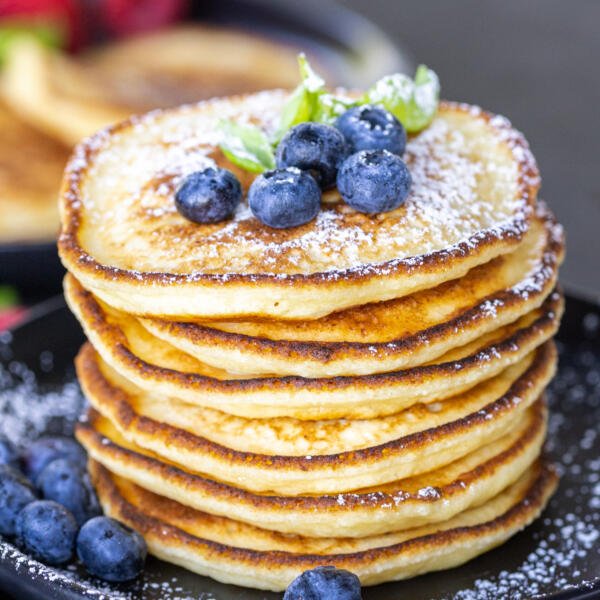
(123, 17)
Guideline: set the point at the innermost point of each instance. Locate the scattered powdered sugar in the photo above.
(456, 201)
(27, 410)
(429, 493)
(565, 551)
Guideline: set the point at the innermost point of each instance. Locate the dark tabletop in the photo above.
(538, 63)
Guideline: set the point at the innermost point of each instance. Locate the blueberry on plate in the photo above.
(16, 492)
(370, 127)
(44, 450)
(373, 181)
(284, 198)
(313, 147)
(110, 550)
(8, 454)
(324, 583)
(47, 531)
(209, 196)
(67, 482)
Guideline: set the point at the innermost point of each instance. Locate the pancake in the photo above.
(386, 336)
(31, 167)
(70, 98)
(187, 63)
(427, 498)
(174, 535)
(130, 408)
(474, 187)
(422, 450)
(157, 367)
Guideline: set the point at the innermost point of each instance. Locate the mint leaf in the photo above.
(302, 104)
(297, 109)
(246, 146)
(413, 102)
(312, 82)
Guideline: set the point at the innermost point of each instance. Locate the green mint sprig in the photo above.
(247, 146)
(413, 102)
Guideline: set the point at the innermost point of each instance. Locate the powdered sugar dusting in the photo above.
(462, 194)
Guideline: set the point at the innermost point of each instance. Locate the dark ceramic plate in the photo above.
(557, 557)
(350, 46)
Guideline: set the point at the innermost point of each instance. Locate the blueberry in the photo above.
(16, 492)
(8, 454)
(111, 550)
(47, 531)
(324, 583)
(209, 196)
(313, 147)
(369, 127)
(373, 181)
(45, 450)
(284, 198)
(65, 481)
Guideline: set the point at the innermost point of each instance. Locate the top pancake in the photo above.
(474, 183)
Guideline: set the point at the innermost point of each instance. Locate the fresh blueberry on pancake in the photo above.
(47, 530)
(209, 196)
(313, 147)
(15, 493)
(284, 198)
(8, 454)
(67, 482)
(369, 127)
(373, 181)
(44, 450)
(111, 550)
(324, 583)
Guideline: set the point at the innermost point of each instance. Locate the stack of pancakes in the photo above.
(361, 391)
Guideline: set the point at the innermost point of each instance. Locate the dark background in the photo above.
(538, 63)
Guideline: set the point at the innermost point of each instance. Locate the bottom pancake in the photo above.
(266, 560)
(431, 497)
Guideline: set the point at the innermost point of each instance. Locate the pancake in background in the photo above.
(31, 167)
(275, 560)
(73, 97)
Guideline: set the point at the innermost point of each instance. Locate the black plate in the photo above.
(558, 556)
(350, 46)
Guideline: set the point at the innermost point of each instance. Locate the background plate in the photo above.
(558, 556)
